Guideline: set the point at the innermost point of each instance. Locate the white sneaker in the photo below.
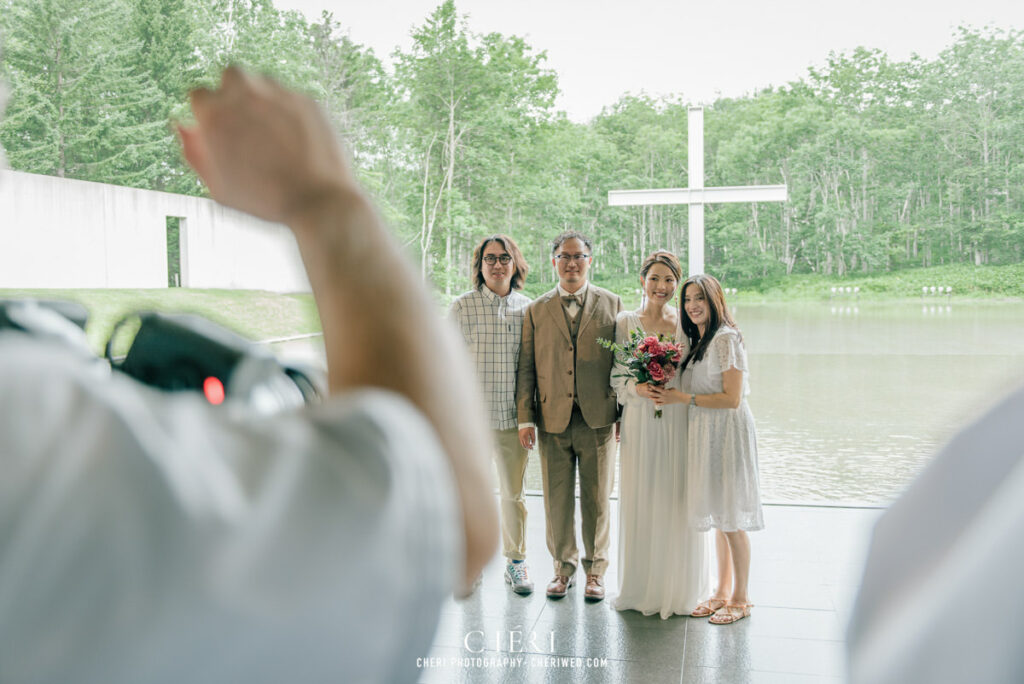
(518, 575)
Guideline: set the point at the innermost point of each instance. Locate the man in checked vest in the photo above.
(566, 404)
(490, 318)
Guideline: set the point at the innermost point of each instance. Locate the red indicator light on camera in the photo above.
(213, 389)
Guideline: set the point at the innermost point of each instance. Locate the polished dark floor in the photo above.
(805, 571)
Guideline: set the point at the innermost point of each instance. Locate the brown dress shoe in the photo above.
(595, 588)
(559, 585)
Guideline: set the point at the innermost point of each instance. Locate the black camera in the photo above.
(180, 352)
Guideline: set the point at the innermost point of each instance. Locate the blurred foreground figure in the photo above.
(942, 599)
(152, 537)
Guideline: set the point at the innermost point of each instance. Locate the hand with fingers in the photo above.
(263, 149)
(645, 390)
(668, 395)
(528, 437)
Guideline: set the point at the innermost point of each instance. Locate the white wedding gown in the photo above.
(663, 560)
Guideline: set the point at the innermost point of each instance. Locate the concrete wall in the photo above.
(60, 233)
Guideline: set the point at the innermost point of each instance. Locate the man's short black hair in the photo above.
(571, 235)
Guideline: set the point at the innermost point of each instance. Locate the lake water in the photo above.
(851, 401)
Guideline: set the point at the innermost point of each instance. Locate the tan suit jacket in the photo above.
(548, 376)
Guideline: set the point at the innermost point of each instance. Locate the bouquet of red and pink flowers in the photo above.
(646, 358)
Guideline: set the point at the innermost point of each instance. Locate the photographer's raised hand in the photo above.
(268, 151)
(263, 149)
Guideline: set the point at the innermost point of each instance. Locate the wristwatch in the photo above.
(693, 400)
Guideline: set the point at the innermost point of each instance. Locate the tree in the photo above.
(466, 104)
(889, 164)
(352, 86)
(166, 34)
(81, 107)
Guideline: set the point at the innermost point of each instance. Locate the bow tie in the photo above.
(572, 299)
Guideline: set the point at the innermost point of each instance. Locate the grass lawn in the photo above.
(254, 314)
(968, 281)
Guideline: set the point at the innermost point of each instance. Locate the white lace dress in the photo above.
(723, 491)
(663, 562)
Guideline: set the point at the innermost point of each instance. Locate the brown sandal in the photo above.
(706, 608)
(730, 613)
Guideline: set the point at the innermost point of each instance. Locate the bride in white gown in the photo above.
(663, 560)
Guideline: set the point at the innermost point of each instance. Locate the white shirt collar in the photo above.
(580, 293)
(494, 296)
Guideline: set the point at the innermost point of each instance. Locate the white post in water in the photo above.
(696, 195)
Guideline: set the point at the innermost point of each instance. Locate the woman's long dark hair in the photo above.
(718, 315)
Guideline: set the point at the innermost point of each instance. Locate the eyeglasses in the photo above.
(573, 257)
(490, 259)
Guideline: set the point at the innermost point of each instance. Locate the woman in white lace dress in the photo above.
(663, 560)
(722, 475)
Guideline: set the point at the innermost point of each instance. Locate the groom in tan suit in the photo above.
(564, 400)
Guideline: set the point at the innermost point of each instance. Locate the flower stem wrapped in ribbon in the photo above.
(646, 358)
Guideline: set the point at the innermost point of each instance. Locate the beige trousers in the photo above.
(592, 451)
(510, 458)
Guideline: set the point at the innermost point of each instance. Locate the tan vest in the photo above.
(574, 331)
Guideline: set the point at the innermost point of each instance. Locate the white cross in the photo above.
(697, 195)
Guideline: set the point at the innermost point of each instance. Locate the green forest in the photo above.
(890, 165)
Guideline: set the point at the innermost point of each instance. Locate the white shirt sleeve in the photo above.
(457, 314)
(954, 535)
(726, 352)
(151, 537)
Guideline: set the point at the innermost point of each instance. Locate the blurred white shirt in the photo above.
(942, 598)
(150, 537)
